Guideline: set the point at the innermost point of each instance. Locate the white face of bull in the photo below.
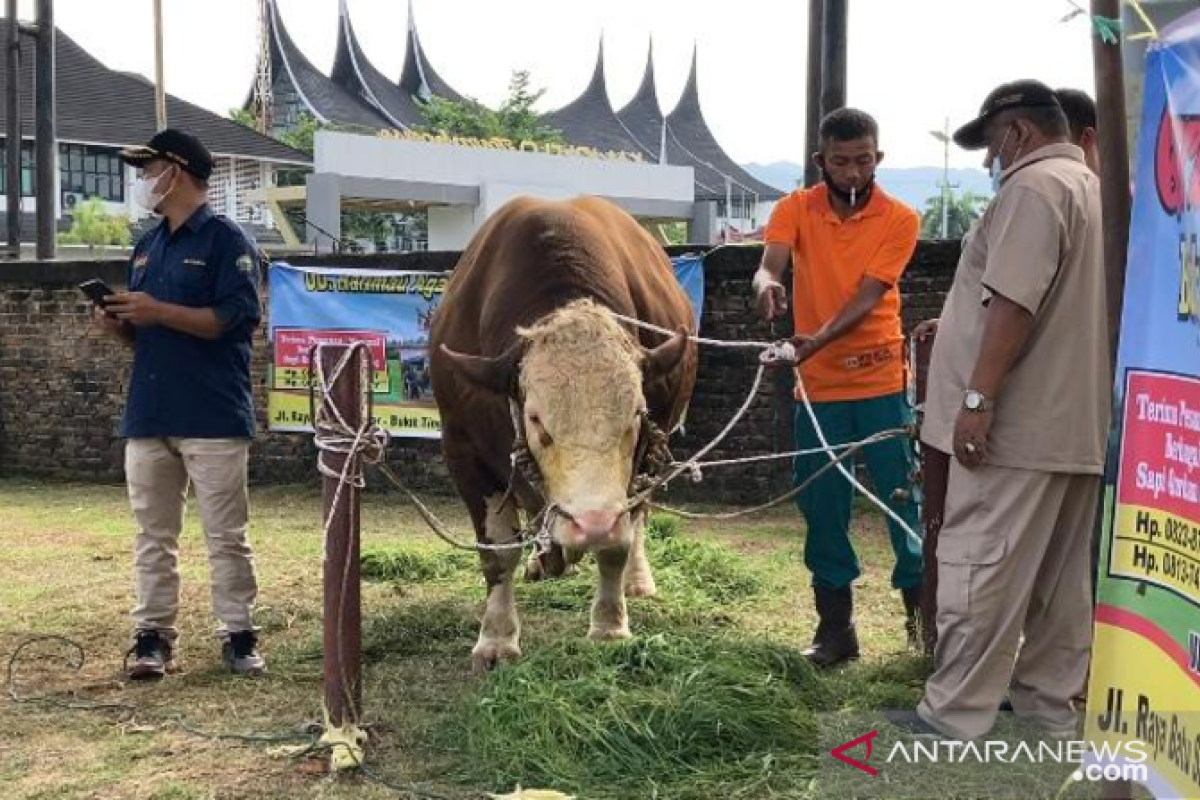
(581, 383)
(580, 378)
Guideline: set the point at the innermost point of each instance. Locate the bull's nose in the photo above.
(596, 523)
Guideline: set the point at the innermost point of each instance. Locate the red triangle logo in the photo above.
(839, 752)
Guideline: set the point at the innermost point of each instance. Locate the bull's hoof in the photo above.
(641, 587)
(488, 655)
(609, 633)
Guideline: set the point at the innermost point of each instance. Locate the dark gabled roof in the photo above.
(323, 98)
(358, 76)
(690, 142)
(98, 105)
(419, 78)
(590, 121)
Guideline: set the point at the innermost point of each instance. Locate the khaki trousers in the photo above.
(158, 472)
(1013, 560)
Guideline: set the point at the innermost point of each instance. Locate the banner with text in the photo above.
(391, 312)
(1145, 680)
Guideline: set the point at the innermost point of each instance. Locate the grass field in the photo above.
(709, 700)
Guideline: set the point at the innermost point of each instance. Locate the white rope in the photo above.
(368, 443)
(882, 506)
(769, 349)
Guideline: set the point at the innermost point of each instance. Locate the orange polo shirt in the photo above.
(830, 257)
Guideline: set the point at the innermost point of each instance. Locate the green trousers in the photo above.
(826, 503)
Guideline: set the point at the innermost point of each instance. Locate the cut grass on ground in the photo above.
(710, 699)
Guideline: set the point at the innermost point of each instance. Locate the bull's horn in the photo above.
(666, 356)
(496, 374)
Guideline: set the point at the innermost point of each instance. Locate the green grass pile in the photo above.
(683, 715)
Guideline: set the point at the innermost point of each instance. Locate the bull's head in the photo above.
(579, 378)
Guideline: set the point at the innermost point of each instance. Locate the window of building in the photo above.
(28, 171)
(91, 172)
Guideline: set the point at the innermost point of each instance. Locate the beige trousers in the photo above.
(1014, 559)
(158, 472)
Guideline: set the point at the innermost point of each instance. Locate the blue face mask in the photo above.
(996, 167)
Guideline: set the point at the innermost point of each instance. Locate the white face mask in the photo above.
(996, 167)
(145, 192)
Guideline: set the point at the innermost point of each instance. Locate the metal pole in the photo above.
(812, 122)
(13, 130)
(833, 54)
(343, 601)
(1114, 161)
(946, 182)
(45, 134)
(160, 93)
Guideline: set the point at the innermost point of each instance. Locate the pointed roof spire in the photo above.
(690, 141)
(324, 99)
(419, 78)
(589, 119)
(355, 73)
(642, 116)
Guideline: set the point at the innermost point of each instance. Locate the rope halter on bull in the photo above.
(368, 444)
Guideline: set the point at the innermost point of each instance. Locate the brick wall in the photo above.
(62, 386)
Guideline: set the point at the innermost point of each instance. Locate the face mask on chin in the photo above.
(855, 197)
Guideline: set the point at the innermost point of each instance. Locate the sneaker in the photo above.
(151, 657)
(241, 655)
(911, 724)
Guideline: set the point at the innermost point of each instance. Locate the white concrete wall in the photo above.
(451, 227)
(542, 175)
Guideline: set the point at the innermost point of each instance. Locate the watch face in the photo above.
(974, 400)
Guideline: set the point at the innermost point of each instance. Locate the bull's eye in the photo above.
(543, 437)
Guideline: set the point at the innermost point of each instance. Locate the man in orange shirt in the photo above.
(849, 243)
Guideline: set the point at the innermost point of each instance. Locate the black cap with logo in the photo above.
(1018, 94)
(176, 146)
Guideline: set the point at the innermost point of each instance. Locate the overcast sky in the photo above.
(912, 63)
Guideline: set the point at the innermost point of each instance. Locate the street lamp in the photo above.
(943, 136)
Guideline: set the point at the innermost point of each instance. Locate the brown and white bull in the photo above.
(525, 333)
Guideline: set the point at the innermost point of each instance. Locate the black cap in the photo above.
(1018, 94)
(174, 145)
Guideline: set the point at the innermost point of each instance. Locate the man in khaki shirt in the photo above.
(1019, 392)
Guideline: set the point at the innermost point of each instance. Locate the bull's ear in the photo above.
(495, 374)
(666, 356)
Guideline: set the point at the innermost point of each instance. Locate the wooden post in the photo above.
(935, 473)
(343, 601)
(46, 133)
(13, 131)
(833, 55)
(1114, 164)
(1114, 189)
(812, 122)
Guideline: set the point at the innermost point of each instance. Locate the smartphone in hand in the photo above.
(96, 290)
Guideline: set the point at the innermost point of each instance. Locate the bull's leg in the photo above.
(609, 618)
(500, 633)
(639, 581)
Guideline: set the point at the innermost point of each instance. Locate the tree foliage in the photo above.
(962, 210)
(515, 119)
(92, 225)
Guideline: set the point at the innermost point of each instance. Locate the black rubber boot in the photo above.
(836, 641)
(912, 617)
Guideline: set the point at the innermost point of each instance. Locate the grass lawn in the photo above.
(709, 700)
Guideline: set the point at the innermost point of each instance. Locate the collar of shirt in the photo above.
(1062, 150)
(193, 223)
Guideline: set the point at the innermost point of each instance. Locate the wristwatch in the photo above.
(975, 402)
